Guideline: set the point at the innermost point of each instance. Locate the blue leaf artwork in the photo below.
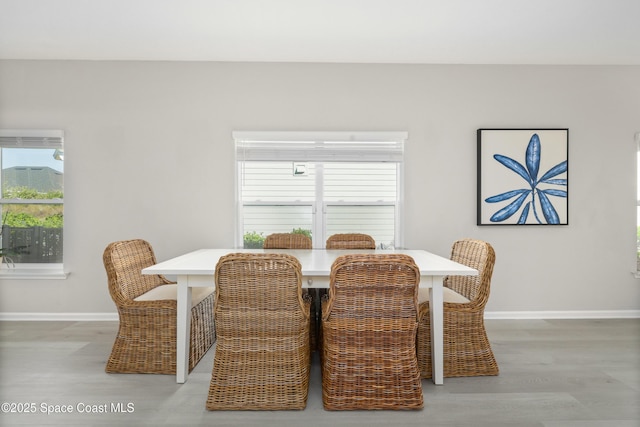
(537, 197)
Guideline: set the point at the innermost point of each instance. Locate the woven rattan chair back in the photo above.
(467, 351)
(124, 261)
(369, 324)
(255, 281)
(350, 241)
(287, 241)
(262, 358)
(146, 338)
(373, 286)
(475, 254)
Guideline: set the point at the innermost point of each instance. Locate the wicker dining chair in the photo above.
(369, 324)
(262, 359)
(299, 241)
(350, 241)
(287, 241)
(147, 308)
(467, 351)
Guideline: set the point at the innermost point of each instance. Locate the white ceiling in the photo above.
(360, 31)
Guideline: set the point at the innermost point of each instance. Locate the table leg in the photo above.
(183, 328)
(317, 312)
(436, 312)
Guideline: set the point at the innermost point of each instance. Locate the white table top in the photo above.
(314, 262)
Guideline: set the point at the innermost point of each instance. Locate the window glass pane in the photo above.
(348, 182)
(32, 232)
(375, 220)
(262, 220)
(360, 182)
(36, 169)
(277, 181)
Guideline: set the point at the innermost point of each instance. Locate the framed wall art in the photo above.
(523, 177)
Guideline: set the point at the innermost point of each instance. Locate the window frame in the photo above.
(33, 138)
(321, 147)
(637, 141)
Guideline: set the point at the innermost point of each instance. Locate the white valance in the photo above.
(320, 146)
(31, 138)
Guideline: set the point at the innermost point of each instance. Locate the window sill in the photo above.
(32, 273)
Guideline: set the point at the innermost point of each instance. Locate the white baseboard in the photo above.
(582, 314)
(497, 315)
(73, 317)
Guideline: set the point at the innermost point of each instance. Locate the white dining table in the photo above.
(197, 269)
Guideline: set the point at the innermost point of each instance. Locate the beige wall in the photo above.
(149, 154)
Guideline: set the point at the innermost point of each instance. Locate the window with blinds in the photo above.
(32, 199)
(319, 184)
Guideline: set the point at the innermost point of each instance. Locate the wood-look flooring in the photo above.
(553, 373)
